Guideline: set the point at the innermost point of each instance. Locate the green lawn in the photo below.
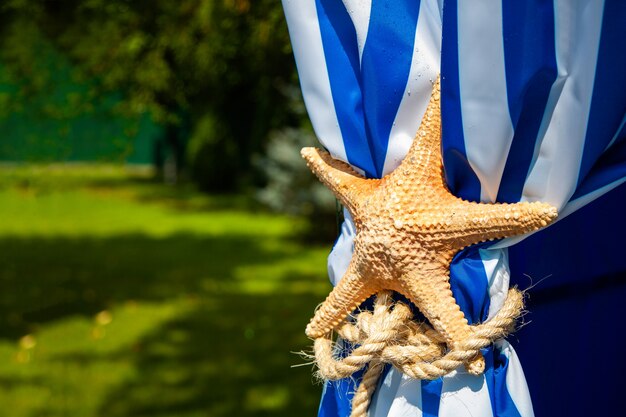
(122, 297)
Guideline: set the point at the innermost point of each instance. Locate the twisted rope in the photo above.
(389, 335)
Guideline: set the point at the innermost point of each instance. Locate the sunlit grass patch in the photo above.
(105, 200)
(125, 297)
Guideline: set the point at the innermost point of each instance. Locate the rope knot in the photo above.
(388, 334)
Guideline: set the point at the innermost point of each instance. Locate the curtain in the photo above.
(533, 109)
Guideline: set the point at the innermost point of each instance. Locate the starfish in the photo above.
(409, 226)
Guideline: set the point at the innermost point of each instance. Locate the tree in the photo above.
(210, 71)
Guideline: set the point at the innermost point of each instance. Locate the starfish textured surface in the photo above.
(409, 227)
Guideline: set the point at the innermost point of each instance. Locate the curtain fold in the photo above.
(533, 109)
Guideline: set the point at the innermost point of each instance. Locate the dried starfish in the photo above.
(408, 228)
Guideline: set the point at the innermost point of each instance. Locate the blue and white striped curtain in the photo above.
(533, 109)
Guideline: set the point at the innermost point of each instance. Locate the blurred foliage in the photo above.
(214, 67)
(61, 119)
(291, 187)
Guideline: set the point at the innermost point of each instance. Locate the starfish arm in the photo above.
(482, 222)
(347, 185)
(349, 293)
(423, 163)
(433, 296)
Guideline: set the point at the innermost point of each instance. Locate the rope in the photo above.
(389, 335)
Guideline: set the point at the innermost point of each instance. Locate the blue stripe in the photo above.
(328, 404)
(585, 245)
(621, 133)
(610, 167)
(608, 102)
(386, 63)
(468, 279)
(337, 398)
(495, 376)
(470, 285)
(342, 62)
(431, 397)
(460, 177)
(582, 260)
(337, 395)
(531, 69)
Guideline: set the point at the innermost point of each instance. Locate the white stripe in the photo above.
(553, 176)
(486, 121)
(424, 70)
(463, 394)
(359, 11)
(306, 40)
(397, 396)
(554, 173)
(496, 265)
(516, 381)
(341, 255)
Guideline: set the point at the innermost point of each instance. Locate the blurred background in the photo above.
(162, 244)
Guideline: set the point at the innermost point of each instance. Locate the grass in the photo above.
(123, 297)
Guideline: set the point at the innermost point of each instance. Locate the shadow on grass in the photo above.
(183, 197)
(229, 357)
(229, 354)
(56, 277)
